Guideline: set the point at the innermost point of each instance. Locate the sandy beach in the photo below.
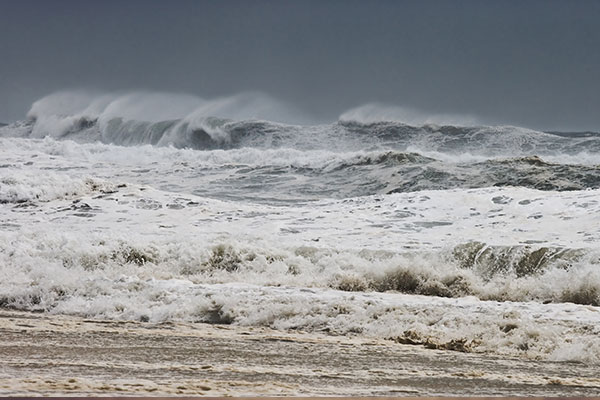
(62, 355)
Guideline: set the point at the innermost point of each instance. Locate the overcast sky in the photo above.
(530, 63)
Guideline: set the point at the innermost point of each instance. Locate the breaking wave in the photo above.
(318, 289)
(517, 273)
(150, 118)
(256, 120)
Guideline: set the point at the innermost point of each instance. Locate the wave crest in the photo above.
(146, 117)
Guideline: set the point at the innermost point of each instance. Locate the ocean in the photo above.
(166, 209)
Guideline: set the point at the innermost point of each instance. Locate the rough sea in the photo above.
(157, 208)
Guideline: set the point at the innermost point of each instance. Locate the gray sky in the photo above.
(530, 63)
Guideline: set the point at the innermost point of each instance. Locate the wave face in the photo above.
(430, 230)
(151, 118)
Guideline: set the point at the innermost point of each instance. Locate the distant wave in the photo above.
(217, 133)
(258, 121)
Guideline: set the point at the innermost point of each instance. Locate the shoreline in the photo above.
(50, 355)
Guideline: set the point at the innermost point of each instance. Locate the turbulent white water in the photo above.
(156, 208)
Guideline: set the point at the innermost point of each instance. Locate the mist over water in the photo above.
(378, 112)
(155, 107)
(162, 106)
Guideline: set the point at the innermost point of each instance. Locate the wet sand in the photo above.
(61, 355)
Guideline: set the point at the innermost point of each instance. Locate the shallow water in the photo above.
(58, 355)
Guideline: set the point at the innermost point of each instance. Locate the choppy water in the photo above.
(479, 239)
